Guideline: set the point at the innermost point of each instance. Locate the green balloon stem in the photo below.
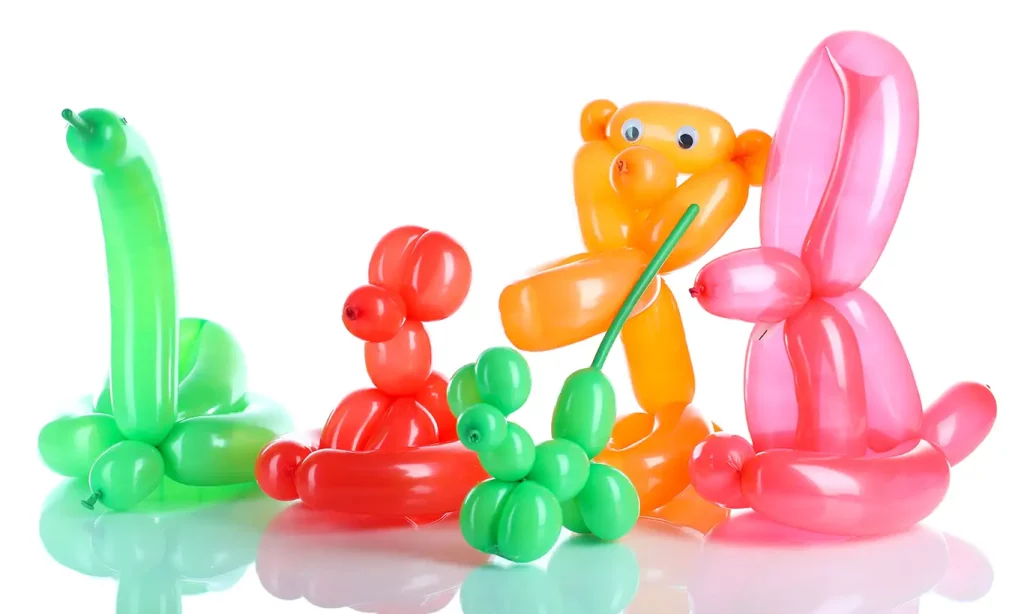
(474, 437)
(75, 120)
(90, 503)
(641, 286)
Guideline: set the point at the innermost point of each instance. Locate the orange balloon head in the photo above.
(691, 138)
(643, 176)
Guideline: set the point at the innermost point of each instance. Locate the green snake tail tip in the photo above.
(75, 120)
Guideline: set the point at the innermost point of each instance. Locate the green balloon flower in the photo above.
(538, 489)
(175, 403)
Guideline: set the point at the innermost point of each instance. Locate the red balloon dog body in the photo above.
(391, 449)
(841, 444)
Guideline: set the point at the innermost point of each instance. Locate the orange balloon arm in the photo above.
(570, 300)
(722, 191)
(645, 280)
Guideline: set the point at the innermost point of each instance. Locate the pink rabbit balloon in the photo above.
(841, 443)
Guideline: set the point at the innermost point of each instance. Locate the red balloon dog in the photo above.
(391, 449)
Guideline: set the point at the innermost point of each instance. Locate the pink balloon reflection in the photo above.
(750, 563)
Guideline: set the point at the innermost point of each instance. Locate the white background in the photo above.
(290, 138)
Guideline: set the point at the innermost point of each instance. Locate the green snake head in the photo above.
(537, 489)
(101, 139)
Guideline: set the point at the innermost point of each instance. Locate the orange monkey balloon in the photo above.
(628, 198)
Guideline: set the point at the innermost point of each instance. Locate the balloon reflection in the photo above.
(399, 565)
(179, 541)
(747, 564)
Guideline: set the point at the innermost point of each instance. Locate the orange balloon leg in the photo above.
(690, 510)
(658, 357)
(654, 451)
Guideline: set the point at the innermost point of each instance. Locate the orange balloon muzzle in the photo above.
(643, 176)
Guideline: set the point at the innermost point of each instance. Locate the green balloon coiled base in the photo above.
(219, 430)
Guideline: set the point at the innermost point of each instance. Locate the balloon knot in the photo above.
(474, 437)
(351, 312)
(90, 503)
(696, 291)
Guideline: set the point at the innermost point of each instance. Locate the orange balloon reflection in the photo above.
(628, 199)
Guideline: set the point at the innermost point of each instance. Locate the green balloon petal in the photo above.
(462, 390)
(609, 504)
(125, 474)
(503, 379)
(562, 467)
(513, 458)
(585, 411)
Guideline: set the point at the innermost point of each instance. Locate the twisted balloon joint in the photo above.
(537, 490)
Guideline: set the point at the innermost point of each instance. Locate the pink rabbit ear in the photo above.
(872, 166)
(802, 154)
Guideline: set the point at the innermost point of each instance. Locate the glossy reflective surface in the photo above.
(233, 549)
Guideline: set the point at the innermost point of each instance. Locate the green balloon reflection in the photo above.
(175, 401)
(178, 541)
(420, 566)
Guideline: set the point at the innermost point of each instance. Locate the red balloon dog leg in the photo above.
(391, 449)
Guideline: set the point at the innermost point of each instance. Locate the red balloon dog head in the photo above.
(391, 448)
(841, 443)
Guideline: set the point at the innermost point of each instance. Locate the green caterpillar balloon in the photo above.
(175, 403)
(535, 490)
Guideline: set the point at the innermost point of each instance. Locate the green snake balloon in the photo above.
(175, 403)
(536, 490)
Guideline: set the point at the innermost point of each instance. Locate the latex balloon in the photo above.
(625, 177)
(175, 399)
(394, 449)
(832, 404)
(159, 552)
(561, 486)
(629, 197)
(654, 452)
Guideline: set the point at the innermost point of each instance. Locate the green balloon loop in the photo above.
(175, 399)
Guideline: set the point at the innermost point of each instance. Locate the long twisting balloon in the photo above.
(840, 441)
(538, 489)
(175, 403)
(628, 199)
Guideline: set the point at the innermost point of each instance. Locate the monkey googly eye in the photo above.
(632, 130)
(686, 137)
